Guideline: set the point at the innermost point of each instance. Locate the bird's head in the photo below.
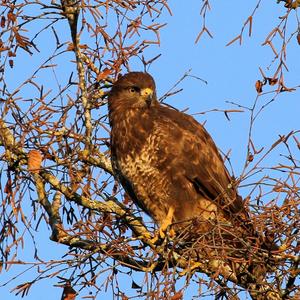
(137, 89)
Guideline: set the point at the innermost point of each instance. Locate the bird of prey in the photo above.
(171, 168)
(168, 163)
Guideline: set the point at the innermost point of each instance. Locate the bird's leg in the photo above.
(164, 226)
(166, 223)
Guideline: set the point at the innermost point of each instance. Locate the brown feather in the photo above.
(164, 158)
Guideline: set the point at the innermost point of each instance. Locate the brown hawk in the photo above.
(170, 167)
(167, 162)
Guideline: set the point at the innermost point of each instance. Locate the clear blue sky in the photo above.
(231, 73)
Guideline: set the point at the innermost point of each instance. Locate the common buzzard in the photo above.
(168, 163)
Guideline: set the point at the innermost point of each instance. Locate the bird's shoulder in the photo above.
(196, 155)
(181, 129)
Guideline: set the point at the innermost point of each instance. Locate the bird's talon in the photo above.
(161, 233)
(172, 233)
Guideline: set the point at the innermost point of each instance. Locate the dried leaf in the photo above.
(277, 188)
(11, 54)
(126, 199)
(250, 157)
(35, 159)
(11, 63)
(103, 75)
(2, 21)
(8, 187)
(298, 38)
(83, 46)
(22, 40)
(11, 17)
(258, 86)
(68, 293)
(70, 47)
(272, 81)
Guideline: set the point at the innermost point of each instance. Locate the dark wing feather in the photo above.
(197, 157)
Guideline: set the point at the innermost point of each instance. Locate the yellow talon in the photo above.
(164, 226)
(172, 233)
(167, 222)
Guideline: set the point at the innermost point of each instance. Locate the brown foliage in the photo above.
(35, 159)
(68, 293)
(60, 110)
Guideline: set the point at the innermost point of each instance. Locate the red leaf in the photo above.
(298, 38)
(258, 86)
(68, 293)
(104, 74)
(35, 159)
(2, 22)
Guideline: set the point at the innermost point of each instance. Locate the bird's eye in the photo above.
(133, 89)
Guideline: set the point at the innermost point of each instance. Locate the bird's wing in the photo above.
(196, 157)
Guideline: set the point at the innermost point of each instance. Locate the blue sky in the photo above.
(231, 73)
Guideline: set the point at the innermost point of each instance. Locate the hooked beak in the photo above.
(147, 93)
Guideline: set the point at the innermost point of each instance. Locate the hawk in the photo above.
(167, 162)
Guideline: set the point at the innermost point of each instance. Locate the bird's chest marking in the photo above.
(140, 168)
(141, 163)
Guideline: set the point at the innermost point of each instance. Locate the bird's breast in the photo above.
(140, 159)
(139, 167)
